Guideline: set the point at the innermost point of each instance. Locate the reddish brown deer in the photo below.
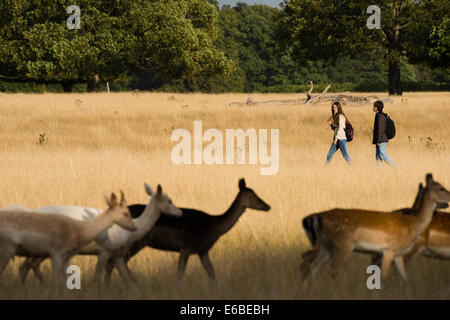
(338, 232)
(435, 233)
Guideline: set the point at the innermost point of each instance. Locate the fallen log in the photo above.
(270, 102)
(344, 98)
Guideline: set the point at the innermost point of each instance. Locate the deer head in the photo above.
(435, 191)
(250, 199)
(163, 202)
(119, 211)
(419, 198)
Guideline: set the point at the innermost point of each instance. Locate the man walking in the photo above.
(379, 133)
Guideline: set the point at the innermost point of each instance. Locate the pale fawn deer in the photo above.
(56, 236)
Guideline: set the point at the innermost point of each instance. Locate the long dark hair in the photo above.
(335, 117)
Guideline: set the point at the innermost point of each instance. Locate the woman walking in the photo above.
(379, 133)
(337, 121)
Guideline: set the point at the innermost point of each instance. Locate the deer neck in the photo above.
(147, 219)
(231, 216)
(91, 229)
(424, 215)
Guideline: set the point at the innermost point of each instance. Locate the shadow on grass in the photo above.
(261, 271)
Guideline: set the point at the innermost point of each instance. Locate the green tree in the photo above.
(440, 37)
(324, 29)
(245, 36)
(429, 35)
(117, 37)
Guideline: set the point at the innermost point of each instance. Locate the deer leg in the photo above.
(388, 256)
(129, 271)
(58, 272)
(401, 267)
(323, 257)
(310, 270)
(399, 263)
(37, 271)
(24, 268)
(34, 264)
(308, 257)
(376, 259)
(341, 254)
(124, 271)
(206, 262)
(65, 265)
(101, 263)
(108, 271)
(182, 262)
(7, 252)
(416, 249)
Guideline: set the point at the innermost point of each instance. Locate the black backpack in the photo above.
(349, 131)
(390, 128)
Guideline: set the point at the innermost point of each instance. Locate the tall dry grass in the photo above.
(99, 143)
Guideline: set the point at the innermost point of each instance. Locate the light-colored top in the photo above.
(339, 132)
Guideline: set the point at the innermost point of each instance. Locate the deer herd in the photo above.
(118, 233)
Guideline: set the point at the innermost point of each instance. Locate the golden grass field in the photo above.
(99, 143)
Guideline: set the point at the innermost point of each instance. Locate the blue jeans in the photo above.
(381, 154)
(341, 144)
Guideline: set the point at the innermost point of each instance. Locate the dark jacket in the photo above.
(379, 128)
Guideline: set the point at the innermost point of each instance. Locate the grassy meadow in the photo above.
(75, 148)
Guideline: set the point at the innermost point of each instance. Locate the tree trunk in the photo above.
(395, 85)
(67, 86)
(93, 83)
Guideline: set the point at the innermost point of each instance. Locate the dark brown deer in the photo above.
(195, 232)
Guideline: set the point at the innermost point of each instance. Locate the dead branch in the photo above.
(344, 98)
(315, 99)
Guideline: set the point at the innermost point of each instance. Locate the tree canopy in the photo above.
(324, 29)
(193, 45)
(172, 38)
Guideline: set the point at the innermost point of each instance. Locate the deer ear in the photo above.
(113, 199)
(108, 201)
(420, 186)
(242, 184)
(159, 189)
(148, 189)
(122, 197)
(429, 178)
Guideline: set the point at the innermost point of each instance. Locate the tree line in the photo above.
(193, 45)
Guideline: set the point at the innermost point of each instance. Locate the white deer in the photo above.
(114, 242)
